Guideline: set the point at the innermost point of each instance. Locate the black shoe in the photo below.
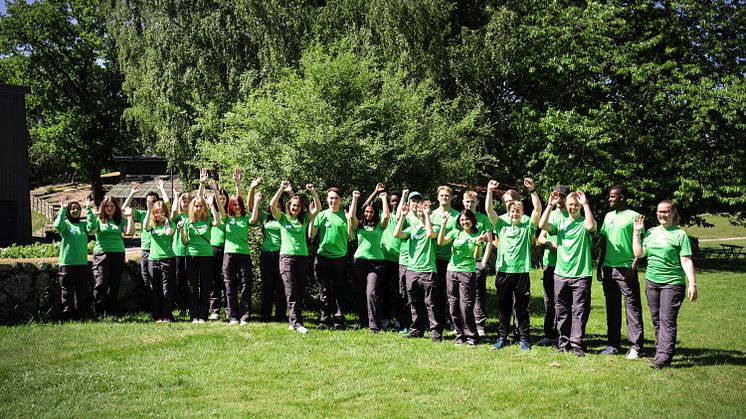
(578, 352)
(413, 336)
(561, 350)
(657, 365)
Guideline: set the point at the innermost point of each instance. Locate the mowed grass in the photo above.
(139, 369)
(722, 228)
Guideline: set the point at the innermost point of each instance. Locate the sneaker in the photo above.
(501, 342)
(404, 331)
(578, 352)
(561, 350)
(610, 350)
(243, 323)
(458, 342)
(633, 354)
(290, 327)
(195, 320)
(480, 331)
(471, 344)
(202, 321)
(525, 346)
(159, 320)
(214, 316)
(302, 330)
(657, 365)
(233, 321)
(546, 342)
(166, 320)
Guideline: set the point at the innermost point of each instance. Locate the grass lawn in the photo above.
(722, 229)
(143, 369)
(38, 221)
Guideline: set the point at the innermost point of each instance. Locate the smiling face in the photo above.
(199, 207)
(516, 212)
(573, 206)
(615, 199)
(665, 214)
(470, 202)
(184, 200)
(394, 201)
(444, 197)
(223, 198)
(295, 206)
(332, 199)
(465, 222)
(75, 210)
(110, 208)
(369, 213)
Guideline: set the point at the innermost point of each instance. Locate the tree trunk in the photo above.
(97, 187)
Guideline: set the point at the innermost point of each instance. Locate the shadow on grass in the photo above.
(720, 265)
(697, 357)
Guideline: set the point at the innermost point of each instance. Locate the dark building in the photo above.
(15, 204)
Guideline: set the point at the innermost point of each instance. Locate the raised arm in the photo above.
(535, 201)
(353, 222)
(203, 176)
(127, 201)
(216, 199)
(313, 211)
(255, 210)
(146, 224)
(442, 240)
(402, 202)
(637, 248)
(129, 214)
(380, 187)
(429, 231)
(398, 231)
(544, 222)
(251, 193)
(386, 216)
(482, 240)
(162, 190)
(217, 217)
(184, 236)
(590, 224)
(91, 219)
(274, 203)
(59, 222)
(177, 204)
(488, 207)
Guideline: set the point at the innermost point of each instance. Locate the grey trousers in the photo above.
(480, 301)
(293, 270)
(664, 301)
(239, 280)
(614, 287)
(107, 274)
(199, 273)
(460, 288)
(572, 305)
(331, 275)
(404, 313)
(513, 292)
(74, 291)
(273, 291)
(145, 273)
(421, 292)
(368, 284)
(162, 285)
(550, 316)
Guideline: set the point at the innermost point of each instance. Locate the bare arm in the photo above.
(252, 192)
(398, 231)
(274, 203)
(127, 212)
(442, 240)
(637, 248)
(688, 265)
(177, 204)
(429, 231)
(353, 222)
(127, 201)
(255, 209)
(313, 211)
(535, 201)
(544, 221)
(380, 187)
(488, 207)
(162, 190)
(203, 176)
(386, 210)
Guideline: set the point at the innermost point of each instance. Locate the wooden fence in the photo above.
(43, 207)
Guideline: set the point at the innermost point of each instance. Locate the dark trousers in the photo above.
(293, 270)
(389, 289)
(460, 287)
(74, 291)
(273, 291)
(513, 287)
(238, 278)
(107, 274)
(331, 275)
(181, 293)
(368, 284)
(199, 272)
(614, 287)
(404, 311)
(480, 300)
(145, 273)
(219, 281)
(441, 308)
(550, 316)
(572, 302)
(664, 301)
(422, 295)
(162, 281)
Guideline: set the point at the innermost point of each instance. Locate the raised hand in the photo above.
(405, 209)
(380, 187)
(180, 224)
(309, 187)
(405, 194)
(258, 181)
(639, 223)
(356, 194)
(176, 189)
(285, 185)
(203, 175)
(483, 237)
(426, 207)
(213, 184)
(384, 196)
(63, 201)
(136, 188)
(87, 202)
(529, 184)
(159, 183)
(237, 176)
(444, 217)
(311, 206)
(582, 200)
(554, 198)
(210, 199)
(257, 197)
(492, 186)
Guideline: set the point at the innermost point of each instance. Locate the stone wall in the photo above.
(29, 290)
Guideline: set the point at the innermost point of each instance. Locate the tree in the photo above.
(62, 50)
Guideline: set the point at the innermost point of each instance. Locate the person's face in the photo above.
(470, 203)
(109, 208)
(507, 200)
(223, 199)
(615, 198)
(199, 208)
(150, 199)
(415, 207)
(465, 222)
(184, 203)
(157, 216)
(394, 201)
(295, 207)
(75, 210)
(369, 213)
(573, 207)
(664, 213)
(561, 202)
(515, 212)
(444, 197)
(332, 199)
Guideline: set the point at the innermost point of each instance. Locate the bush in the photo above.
(36, 250)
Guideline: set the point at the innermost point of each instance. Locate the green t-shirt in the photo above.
(369, 243)
(514, 244)
(272, 237)
(160, 243)
(573, 247)
(293, 234)
(664, 248)
(217, 235)
(436, 219)
(198, 233)
(550, 257)
(483, 222)
(421, 249)
(404, 248)
(144, 234)
(109, 236)
(391, 244)
(462, 254)
(332, 228)
(618, 228)
(74, 245)
(179, 248)
(236, 234)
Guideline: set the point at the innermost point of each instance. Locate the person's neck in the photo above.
(620, 207)
(445, 208)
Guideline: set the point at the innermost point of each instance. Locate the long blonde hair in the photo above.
(162, 209)
(193, 216)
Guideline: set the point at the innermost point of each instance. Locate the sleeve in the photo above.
(685, 246)
(139, 215)
(408, 231)
(59, 222)
(91, 221)
(319, 220)
(602, 231)
(645, 236)
(452, 234)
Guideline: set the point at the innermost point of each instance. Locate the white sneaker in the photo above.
(244, 322)
(195, 320)
(633, 354)
(214, 316)
(302, 330)
(290, 327)
(233, 322)
(201, 321)
(480, 331)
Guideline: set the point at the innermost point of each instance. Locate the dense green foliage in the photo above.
(36, 250)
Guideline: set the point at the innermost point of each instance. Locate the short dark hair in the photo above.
(620, 189)
(153, 194)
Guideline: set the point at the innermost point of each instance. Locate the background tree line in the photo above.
(349, 92)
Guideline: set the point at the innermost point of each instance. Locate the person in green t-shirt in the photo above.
(273, 290)
(73, 269)
(617, 269)
(512, 282)
(420, 239)
(466, 242)
(294, 249)
(161, 261)
(669, 256)
(549, 243)
(369, 260)
(108, 254)
(236, 264)
(442, 253)
(470, 201)
(179, 214)
(572, 275)
(195, 235)
(331, 259)
(217, 241)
